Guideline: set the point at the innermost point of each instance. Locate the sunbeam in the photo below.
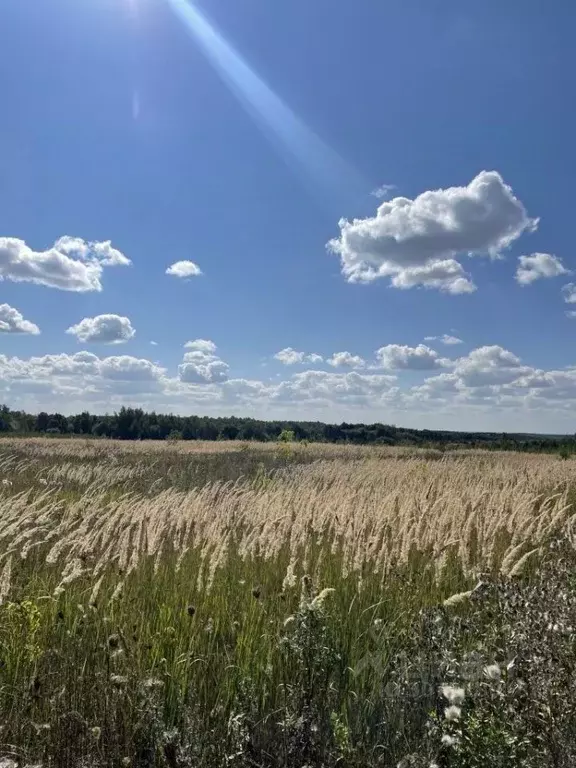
(317, 161)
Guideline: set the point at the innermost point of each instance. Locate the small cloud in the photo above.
(154, 343)
(289, 356)
(103, 329)
(383, 192)
(538, 265)
(12, 321)
(445, 339)
(346, 360)
(184, 269)
(569, 291)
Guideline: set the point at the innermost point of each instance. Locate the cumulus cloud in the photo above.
(83, 376)
(201, 365)
(289, 356)
(346, 360)
(103, 329)
(184, 269)
(489, 365)
(399, 357)
(201, 345)
(12, 321)
(445, 339)
(321, 387)
(71, 264)
(538, 265)
(416, 242)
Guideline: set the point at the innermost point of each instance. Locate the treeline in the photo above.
(136, 424)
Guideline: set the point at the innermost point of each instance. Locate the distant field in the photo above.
(210, 603)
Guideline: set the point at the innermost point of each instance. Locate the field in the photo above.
(231, 604)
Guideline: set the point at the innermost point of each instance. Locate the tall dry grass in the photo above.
(165, 578)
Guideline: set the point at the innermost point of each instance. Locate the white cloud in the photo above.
(210, 372)
(383, 191)
(399, 357)
(202, 365)
(446, 275)
(345, 359)
(154, 343)
(202, 345)
(83, 376)
(416, 242)
(445, 339)
(184, 269)
(569, 292)
(490, 389)
(538, 265)
(352, 388)
(71, 264)
(12, 321)
(103, 329)
(289, 356)
(489, 365)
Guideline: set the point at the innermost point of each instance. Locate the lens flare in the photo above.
(317, 161)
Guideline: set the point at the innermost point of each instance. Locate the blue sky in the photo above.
(245, 136)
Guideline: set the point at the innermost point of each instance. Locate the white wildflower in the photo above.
(449, 741)
(452, 713)
(453, 694)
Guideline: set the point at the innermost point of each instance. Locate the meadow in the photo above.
(237, 604)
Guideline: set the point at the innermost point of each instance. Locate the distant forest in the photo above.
(136, 424)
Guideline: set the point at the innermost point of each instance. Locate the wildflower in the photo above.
(118, 680)
(190, 610)
(126, 761)
(452, 713)
(453, 694)
(152, 682)
(492, 672)
(96, 732)
(449, 741)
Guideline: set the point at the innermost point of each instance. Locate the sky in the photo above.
(300, 209)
